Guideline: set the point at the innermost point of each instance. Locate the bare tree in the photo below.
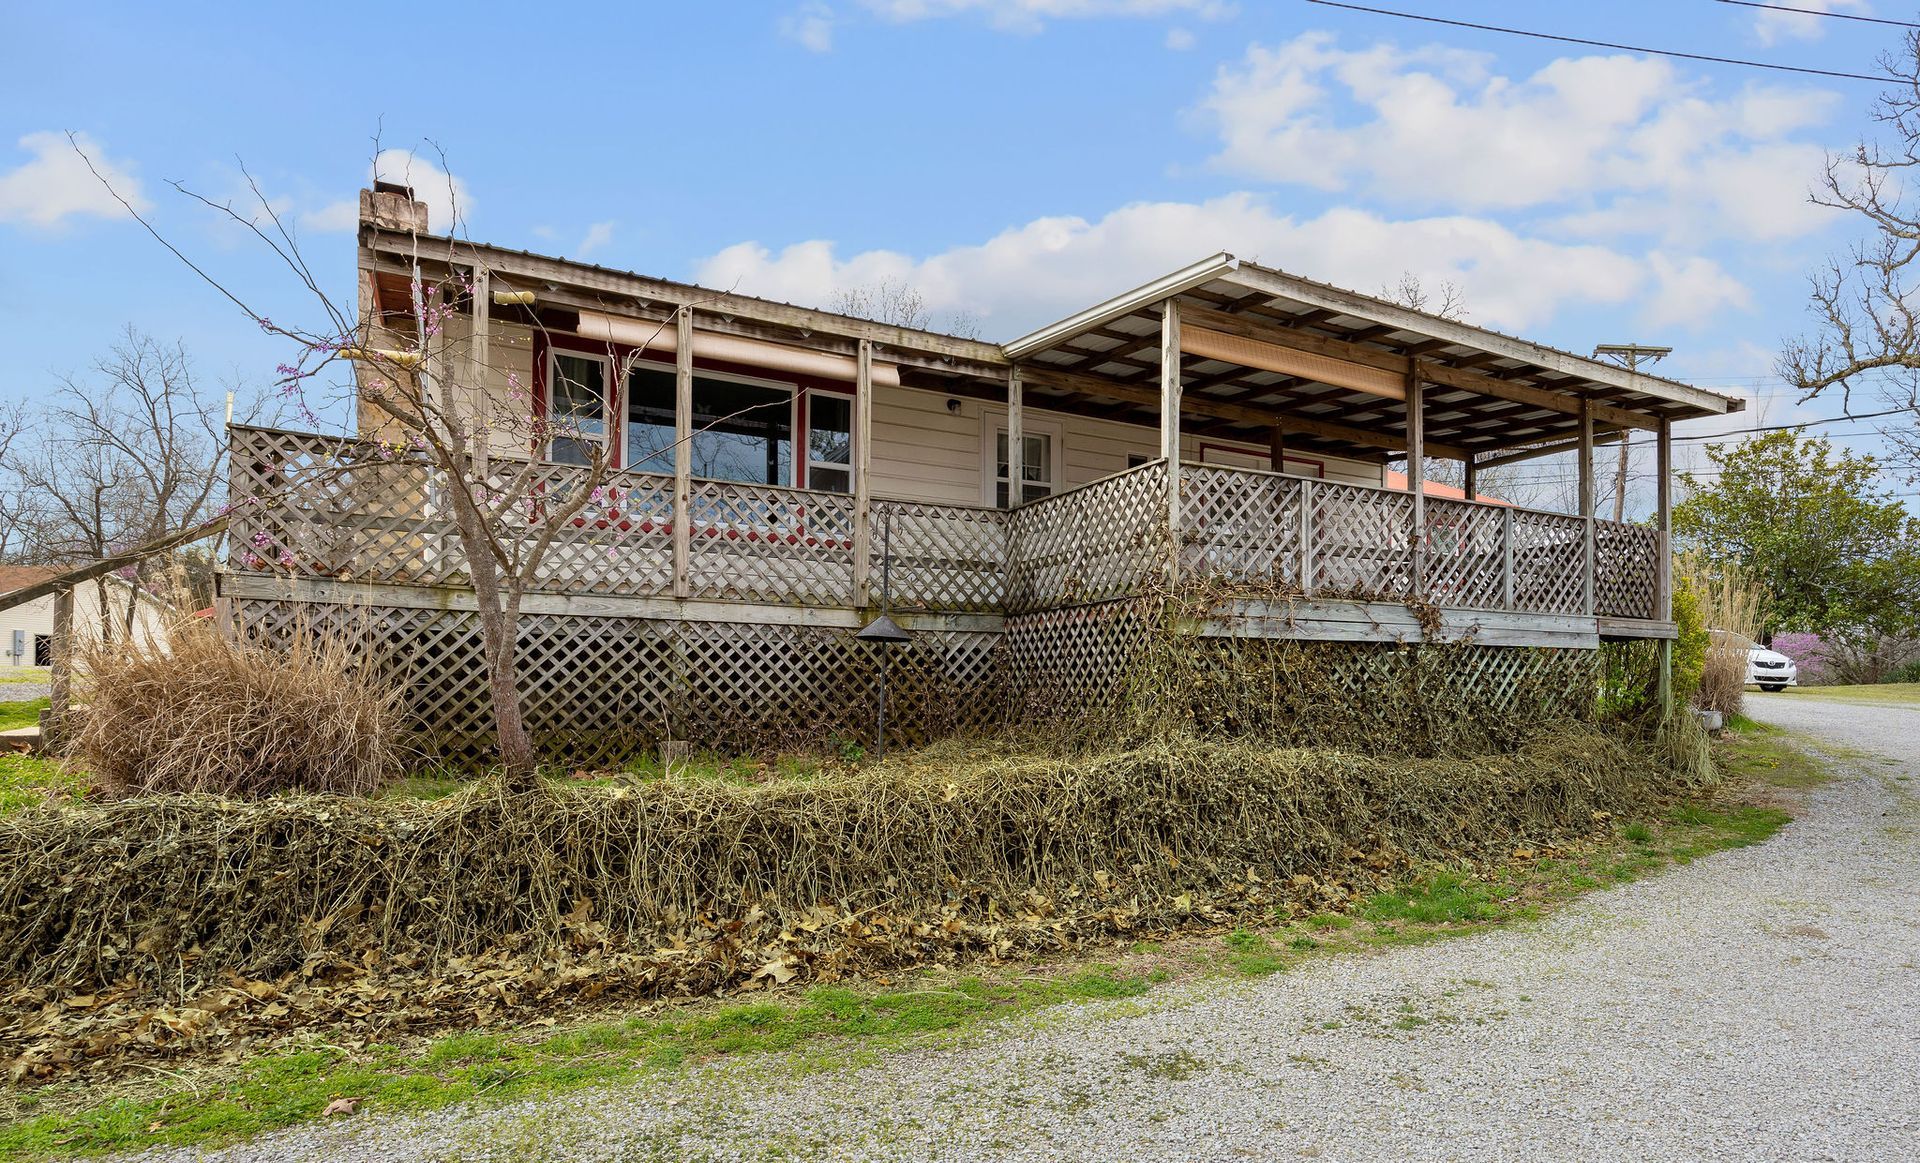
(1448, 301)
(899, 303)
(122, 455)
(437, 402)
(1863, 303)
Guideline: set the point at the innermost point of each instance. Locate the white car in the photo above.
(1771, 670)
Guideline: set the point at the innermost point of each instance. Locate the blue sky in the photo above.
(1013, 159)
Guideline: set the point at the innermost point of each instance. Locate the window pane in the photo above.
(567, 450)
(829, 429)
(1039, 460)
(829, 480)
(649, 420)
(742, 432)
(578, 394)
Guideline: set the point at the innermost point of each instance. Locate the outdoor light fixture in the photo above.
(953, 406)
(884, 629)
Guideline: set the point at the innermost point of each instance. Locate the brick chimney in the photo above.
(391, 206)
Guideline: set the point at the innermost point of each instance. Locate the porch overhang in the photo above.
(1263, 350)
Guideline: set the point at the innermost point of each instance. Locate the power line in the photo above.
(1818, 12)
(1601, 43)
(1801, 424)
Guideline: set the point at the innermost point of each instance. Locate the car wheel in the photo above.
(1772, 687)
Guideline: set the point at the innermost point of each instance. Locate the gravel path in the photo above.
(24, 692)
(1761, 1004)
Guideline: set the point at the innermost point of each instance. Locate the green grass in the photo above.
(1899, 694)
(26, 780)
(27, 714)
(289, 1088)
(828, 1025)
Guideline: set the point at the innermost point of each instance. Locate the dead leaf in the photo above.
(340, 1106)
(776, 969)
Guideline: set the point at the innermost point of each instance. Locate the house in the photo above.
(777, 467)
(27, 630)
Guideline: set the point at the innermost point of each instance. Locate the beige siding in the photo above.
(35, 619)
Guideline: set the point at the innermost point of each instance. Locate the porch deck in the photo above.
(334, 519)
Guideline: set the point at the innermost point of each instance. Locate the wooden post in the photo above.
(862, 485)
(1417, 477)
(1472, 476)
(683, 455)
(1170, 418)
(1586, 503)
(1016, 441)
(1506, 558)
(1663, 601)
(478, 356)
(1306, 535)
(53, 726)
(1277, 449)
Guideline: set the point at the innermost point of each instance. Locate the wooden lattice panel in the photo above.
(1361, 541)
(1626, 581)
(1549, 563)
(944, 557)
(1096, 543)
(1466, 555)
(758, 543)
(596, 688)
(1077, 660)
(1240, 525)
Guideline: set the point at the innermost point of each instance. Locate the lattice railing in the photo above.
(1098, 542)
(943, 557)
(1626, 581)
(760, 543)
(1249, 526)
(1549, 562)
(1241, 525)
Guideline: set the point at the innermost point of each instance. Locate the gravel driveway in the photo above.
(1761, 1004)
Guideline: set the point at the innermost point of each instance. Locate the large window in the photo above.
(577, 406)
(741, 431)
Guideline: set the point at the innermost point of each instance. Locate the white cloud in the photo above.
(1613, 144)
(55, 184)
(1771, 26)
(334, 217)
(810, 26)
(1032, 15)
(597, 237)
(449, 206)
(1181, 39)
(1032, 274)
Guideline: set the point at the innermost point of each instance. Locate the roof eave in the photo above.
(1166, 287)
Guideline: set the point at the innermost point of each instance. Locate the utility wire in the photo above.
(1818, 12)
(1801, 424)
(1603, 44)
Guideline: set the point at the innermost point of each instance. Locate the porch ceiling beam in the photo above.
(1039, 375)
(1365, 307)
(1434, 373)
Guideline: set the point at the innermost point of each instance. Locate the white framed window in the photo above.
(1043, 439)
(576, 406)
(829, 441)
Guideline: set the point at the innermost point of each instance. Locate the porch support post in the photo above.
(477, 362)
(1016, 440)
(1417, 477)
(1663, 600)
(1586, 504)
(683, 454)
(1170, 417)
(1277, 449)
(53, 723)
(862, 485)
(1472, 464)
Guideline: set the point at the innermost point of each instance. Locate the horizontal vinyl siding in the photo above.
(922, 451)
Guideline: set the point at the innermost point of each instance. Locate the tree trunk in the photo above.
(499, 615)
(106, 610)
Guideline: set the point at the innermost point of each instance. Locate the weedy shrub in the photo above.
(196, 711)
